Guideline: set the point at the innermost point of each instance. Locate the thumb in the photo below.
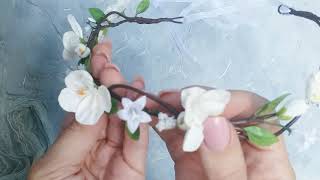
(221, 152)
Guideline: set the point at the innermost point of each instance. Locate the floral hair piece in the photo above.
(89, 100)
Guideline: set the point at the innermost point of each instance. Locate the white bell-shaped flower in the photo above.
(133, 113)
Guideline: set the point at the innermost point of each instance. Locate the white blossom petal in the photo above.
(133, 114)
(313, 89)
(126, 103)
(144, 117)
(79, 80)
(92, 20)
(69, 100)
(133, 125)
(165, 122)
(193, 139)
(180, 122)
(120, 6)
(82, 51)
(89, 110)
(212, 103)
(105, 97)
(69, 55)
(124, 114)
(70, 41)
(75, 25)
(190, 94)
(140, 103)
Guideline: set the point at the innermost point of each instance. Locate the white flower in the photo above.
(120, 6)
(199, 104)
(133, 113)
(73, 48)
(313, 89)
(165, 122)
(82, 97)
(293, 109)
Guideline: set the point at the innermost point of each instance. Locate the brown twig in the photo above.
(139, 20)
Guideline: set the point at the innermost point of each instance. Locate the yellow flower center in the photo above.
(81, 92)
(82, 50)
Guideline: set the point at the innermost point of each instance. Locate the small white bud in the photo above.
(165, 122)
(293, 109)
(313, 89)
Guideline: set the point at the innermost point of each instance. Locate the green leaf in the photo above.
(114, 108)
(87, 63)
(270, 106)
(143, 6)
(281, 114)
(260, 136)
(135, 136)
(82, 61)
(97, 14)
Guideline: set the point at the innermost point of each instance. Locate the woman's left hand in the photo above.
(101, 151)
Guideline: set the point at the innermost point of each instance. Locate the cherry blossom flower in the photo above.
(199, 104)
(73, 47)
(82, 97)
(133, 113)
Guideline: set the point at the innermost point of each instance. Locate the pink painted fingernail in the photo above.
(216, 133)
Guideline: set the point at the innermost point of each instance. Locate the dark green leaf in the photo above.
(260, 136)
(143, 6)
(270, 106)
(135, 136)
(114, 108)
(97, 14)
(82, 61)
(87, 63)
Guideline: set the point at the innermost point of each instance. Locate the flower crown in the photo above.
(89, 100)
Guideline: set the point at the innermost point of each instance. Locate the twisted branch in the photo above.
(139, 20)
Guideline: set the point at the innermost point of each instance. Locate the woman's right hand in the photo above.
(222, 156)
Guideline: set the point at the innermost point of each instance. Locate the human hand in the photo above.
(222, 156)
(101, 151)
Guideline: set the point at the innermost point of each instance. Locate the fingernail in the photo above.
(216, 133)
(139, 79)
(166, 92)
(112, 66)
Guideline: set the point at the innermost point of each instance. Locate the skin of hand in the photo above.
(222, 156)
(101, 151)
